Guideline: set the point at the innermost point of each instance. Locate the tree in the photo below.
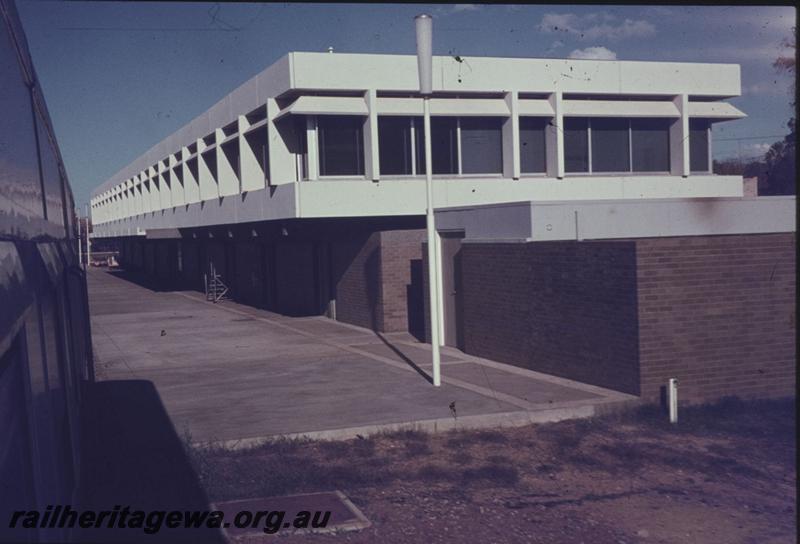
(781, 166)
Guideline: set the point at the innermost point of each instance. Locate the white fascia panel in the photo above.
(720, 111)
(614, 108)
(348, 198)
(462, 107)
(536, 108)
(327, 105)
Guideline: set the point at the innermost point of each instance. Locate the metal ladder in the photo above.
(215, 287)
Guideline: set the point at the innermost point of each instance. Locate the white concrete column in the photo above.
(511, 149)
(209, 190)
(176, 180)
(252, 172)
(312, 147)
(226, 172)
(679, 138)
(554, 138)
(371, 149)
(165, 190)
(281, 147)
(191, 185)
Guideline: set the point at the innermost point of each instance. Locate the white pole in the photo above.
(424, 31)
(431, 228)
(672, 395)
(80, 246)
(88, 242)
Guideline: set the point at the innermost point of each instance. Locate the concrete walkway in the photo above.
(232, 374)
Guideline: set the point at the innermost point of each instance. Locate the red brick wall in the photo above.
(398, 249)
(718, 313)
(563, 308)
(356, 266)
(372, 273)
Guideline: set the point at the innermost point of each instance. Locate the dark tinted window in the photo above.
(481, 145)
(698, 145)
(532, 144)
(650, 139)
(394, 143)
(576, 145)
(341, 145)
(610, 145)
(419, 144)
(444, 145)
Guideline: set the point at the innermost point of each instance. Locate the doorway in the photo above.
(452, 291)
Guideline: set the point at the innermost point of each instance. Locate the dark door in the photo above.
(451, 287)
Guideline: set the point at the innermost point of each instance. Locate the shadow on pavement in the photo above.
(133, 457)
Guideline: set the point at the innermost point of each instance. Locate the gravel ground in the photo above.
(725, 474)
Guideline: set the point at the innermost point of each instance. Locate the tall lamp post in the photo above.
(424, 28)
(88, 242)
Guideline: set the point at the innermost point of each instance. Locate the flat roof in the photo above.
(617, 219)
(335, 72)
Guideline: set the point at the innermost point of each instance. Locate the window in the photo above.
(481, 145)
(616, 145)
(341, 145)
(576, 145)
(610, 145)
(444, 145)
(394, 142)
(650, 140)
(401, 144)
(698, 145)
(533, 155)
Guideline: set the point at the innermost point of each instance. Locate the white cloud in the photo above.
(466, 7)
(558, 44)
(593, 53)
(595, 26)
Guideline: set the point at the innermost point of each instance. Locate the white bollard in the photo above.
(672, 399)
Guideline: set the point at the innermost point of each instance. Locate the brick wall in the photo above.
(356, 279)
(372, 276)
(718, 313)
(399, 250)
(563, 308)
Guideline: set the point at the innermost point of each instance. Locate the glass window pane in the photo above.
(419, 144)
(444, 145)
(394, 144)
(533, 156)
(698, 145)
(481, 145)
(610, 145)
(650, 139)
(576, 144)
(341, 145)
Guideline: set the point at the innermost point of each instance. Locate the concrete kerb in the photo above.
(550, 414)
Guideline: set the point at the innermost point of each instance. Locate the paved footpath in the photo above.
(233, 374)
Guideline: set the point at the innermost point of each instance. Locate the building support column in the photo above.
(554, 138)
(679, 138)
(511, 145)
(371, 149)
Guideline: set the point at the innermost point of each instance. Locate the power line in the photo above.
(748, 138)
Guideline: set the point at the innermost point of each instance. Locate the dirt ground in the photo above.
(724, 474)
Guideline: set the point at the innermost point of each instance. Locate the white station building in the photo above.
(504, 130)
(293, 183)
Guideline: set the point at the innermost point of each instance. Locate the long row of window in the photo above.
(474, 145)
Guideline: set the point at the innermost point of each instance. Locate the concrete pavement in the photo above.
(236, 375)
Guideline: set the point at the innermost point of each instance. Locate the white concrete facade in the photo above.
(258, 153)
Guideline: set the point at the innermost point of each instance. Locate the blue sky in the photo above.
(119, 77)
